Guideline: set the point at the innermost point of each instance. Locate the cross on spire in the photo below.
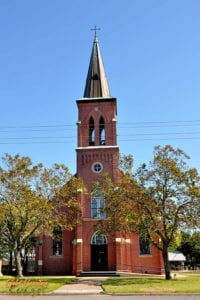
(95, 31)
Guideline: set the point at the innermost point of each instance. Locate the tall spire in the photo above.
(96, 83)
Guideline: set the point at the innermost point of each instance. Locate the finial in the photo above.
(95, 31)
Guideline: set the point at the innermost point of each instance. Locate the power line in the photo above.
(119, 140)
(36, 126)
(137, 136)
(38, 137)
(119, 135)
(128, 124)
(164, 133)
(30, 143)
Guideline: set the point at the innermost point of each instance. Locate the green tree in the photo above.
(34, 199)
(156, 201)
(3, 248)
(190, 246)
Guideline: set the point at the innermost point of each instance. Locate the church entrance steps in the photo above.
(99, 274)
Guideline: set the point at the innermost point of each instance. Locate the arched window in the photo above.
(97, 205)
(91, 132)
(57, 241)
(98, 238)
(102, 134)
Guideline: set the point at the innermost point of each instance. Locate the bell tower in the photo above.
(97, 150)
(97, 153)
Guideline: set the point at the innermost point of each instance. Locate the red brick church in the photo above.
(84, 249)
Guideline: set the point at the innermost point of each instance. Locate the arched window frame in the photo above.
(57, 238)
(99, 238)
(98, 204)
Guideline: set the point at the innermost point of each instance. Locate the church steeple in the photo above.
(96, 83)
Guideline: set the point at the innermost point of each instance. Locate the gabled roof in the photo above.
(96, 83)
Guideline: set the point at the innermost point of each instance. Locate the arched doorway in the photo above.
(99, 252)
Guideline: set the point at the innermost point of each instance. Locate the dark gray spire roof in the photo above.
(96, 83)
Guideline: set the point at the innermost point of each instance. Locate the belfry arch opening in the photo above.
(91, 132)
(99, 252)
(102, 133)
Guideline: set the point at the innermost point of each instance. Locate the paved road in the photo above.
(102, 297)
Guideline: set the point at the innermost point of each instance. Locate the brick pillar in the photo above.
(128, 254)
(77, 252)
(40, 262)
(118, 254)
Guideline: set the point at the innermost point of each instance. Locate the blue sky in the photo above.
(151, 53)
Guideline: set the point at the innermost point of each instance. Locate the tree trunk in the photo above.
(166, 262)
(11, 263)
(1, 267)
(18, 263)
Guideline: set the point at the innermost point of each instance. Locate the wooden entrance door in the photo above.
(99, 257)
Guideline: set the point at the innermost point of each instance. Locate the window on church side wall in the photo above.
(102, 133)
(91, 132)
(144, 245)
(57, 242)
(97, 205)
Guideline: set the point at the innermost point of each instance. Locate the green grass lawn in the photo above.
(32, 285)
(183, 283)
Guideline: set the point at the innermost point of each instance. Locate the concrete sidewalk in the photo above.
(86, 285)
